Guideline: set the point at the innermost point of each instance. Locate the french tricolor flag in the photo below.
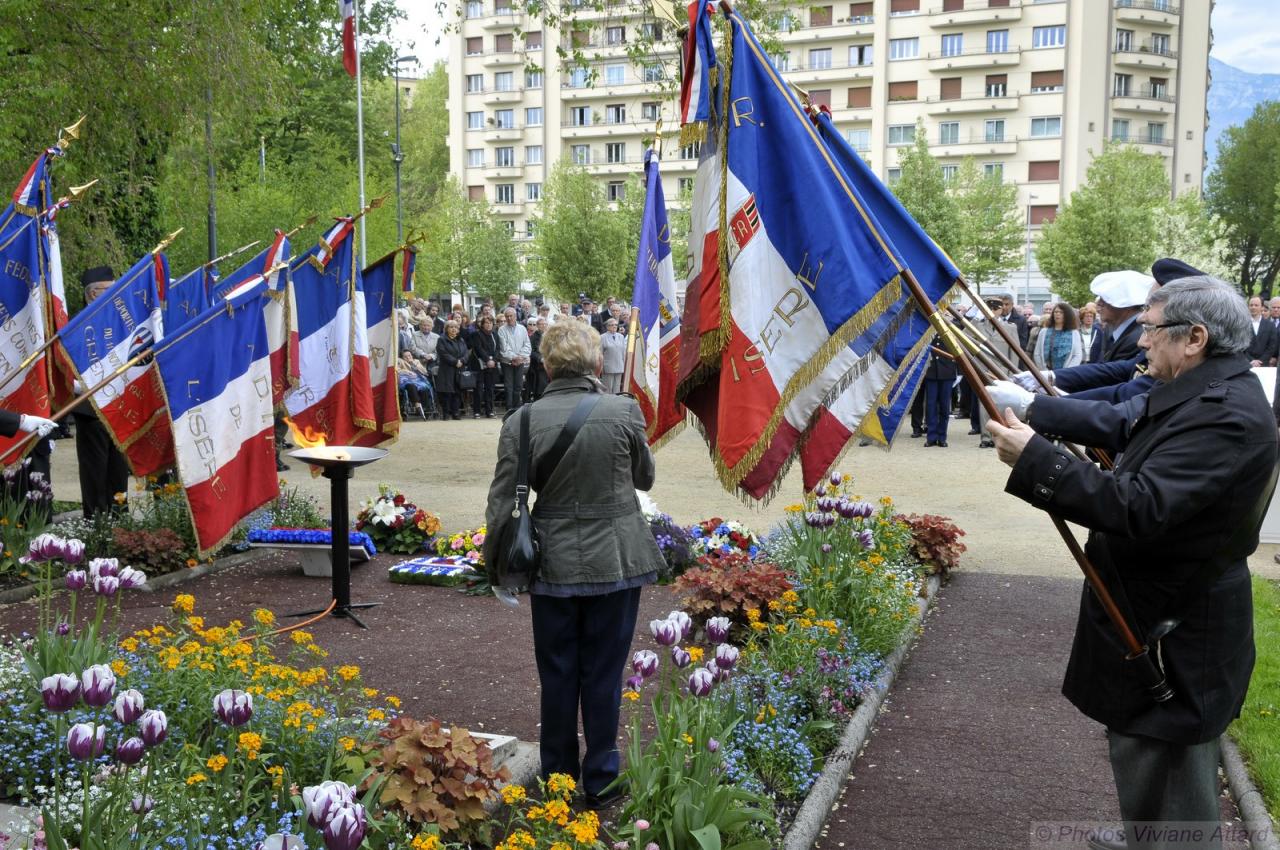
(281, 312)
(697, 61)
(333, 396)
(222, 414)
(379, 298)
(32, 193)
(22, 307)
(106, 344)
(347, 8)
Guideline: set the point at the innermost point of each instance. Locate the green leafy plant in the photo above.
(936, 540)
(436, 775)
(729, 585)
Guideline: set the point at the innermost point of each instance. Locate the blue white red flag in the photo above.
(333, 397)
(281, 311)
(380, 300)
(188, 297)
(22, 300)
(97, 346)
(698, 62)
(655, 331)
(408, 265)
(222, 413)
(347, 9)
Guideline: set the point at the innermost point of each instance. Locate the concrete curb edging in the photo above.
(813, 813)
(1257, 820)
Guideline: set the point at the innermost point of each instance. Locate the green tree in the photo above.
(1187, 230)
(1107, 224)
(989, 235)
(580, 244)
(1241, 191)
(466, 249)
(923, 191)
(424, 132)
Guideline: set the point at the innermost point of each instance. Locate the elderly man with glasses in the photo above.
(1170, 529)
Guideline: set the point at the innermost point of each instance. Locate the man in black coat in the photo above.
(1263, 348)
(1014, 317)
(939, 378)
(103, 469)
(1198, 454)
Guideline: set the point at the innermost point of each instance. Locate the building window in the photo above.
(533, 154)
(685, 185)
(475, 46)
(949, 88)
(510, 227)
(993, 170)
(1160, 44)
(690, 151)
(994, 130)
(820, 97)
(820, 16)
(1159, 88)
(475, 83)
(475, 120)
(615, 113)
(580, 154)
(533, 79)
(949, 133)
(504, 81)
(1044, 171)
(860, 13)
(949, 172)
(861, 54)
(1124, 41)
(953, 5)
(904, 7)
(903, 48)
(860, 139)
(1121, 85)
(504, 119)
(475, 157)
(1119, 130)
(1055, 36)
(533, 191)
(577, 78)
(580, 37)
(475, 193)
(504, 193)
(1046, 81)
(651, 31)
(654, 74)
(1046, 128)
(892, 175)
(503, 43)
(579, 116)
(650, 110)
(475, 9)
(615, 191)
(504, 157)
(997, 41)
(901, 134)
(997, 85)
(533, 116)
(615, 74)
(953, 45)
(529, 226)
(1155, 133)
(615, 35)
(820, 59)
(859, 98)
(782, 61)
(533, 41)
(615, 153)
(906, 90)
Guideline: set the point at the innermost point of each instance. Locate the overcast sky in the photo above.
(1246, 33)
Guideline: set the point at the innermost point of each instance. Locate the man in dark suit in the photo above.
(1171, 529)
(1014, 317)
(103, 469)
(939, 378)
(1262, 351)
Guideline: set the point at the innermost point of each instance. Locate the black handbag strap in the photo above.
(548, 465)
(522, 461)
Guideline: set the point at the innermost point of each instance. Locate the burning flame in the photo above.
(306, 437)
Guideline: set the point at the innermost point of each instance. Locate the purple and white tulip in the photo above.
(72, 550)
(60, 691)
(142, 805)
(681, 657)
(683, 620)
(106, 585)
(645, 663)
(103, 567)
(97, 685)
(726, 656)
(153, 726)
(635, 682)
(701, 682)
(86, 741)
(62, 629)
(712, 745)
(321, 801)
(867, 539)
(345, 829)
(130, 751)
(718, 629)
(45, 547)
(132, 579)
(75, 579)
(281, 841)
(836, 478)
(232, 707)
(665, 632)
(128, 707)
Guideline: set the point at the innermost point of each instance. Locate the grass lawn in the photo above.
(1258, 729)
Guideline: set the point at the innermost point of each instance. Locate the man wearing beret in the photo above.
(103, 469)
(1170, 531)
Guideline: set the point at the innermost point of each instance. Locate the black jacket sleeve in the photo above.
(9, 423)
(1096, 424)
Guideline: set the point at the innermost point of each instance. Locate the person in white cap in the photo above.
(1121, 297)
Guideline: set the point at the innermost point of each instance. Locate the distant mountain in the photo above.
(1232, 96)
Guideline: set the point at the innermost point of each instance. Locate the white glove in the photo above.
(77, 387)
(1010, 395)
(1028, 381)
(37, 424)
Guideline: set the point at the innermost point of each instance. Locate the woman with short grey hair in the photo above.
(614, 348)
(597, 552)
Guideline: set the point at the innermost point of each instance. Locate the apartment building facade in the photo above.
(1029, 88)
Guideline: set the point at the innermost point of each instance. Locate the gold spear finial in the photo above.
(310, 221)
(75, 192)
(167, 241)
(69, 134)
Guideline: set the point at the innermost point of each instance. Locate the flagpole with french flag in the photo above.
(351, 61)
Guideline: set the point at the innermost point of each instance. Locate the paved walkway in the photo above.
(976, 747)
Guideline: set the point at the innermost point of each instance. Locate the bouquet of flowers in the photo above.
(463, 544)
(395, 523)
(672, 539)
(717, 537)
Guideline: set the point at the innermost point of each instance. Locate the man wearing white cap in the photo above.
(1121, 297)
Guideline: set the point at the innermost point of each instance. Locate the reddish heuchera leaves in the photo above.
(728, 585)
(937, 540)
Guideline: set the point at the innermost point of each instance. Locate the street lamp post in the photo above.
(397, 154)
(1026, 285)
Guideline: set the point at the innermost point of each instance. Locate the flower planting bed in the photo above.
(749, 669)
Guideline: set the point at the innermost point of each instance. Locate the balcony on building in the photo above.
(978, 57)
(853, 26)
(1149, 99)
(1156, 13)
(1162, 144)
(978, 143)
(976, 102)
(500, 18)
(605, 129)
(500, 96)
(494, 59)
(513, 208)
(801, 73)
(959, 13)
(494, 133)
(1145, 55)
(503, 172)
